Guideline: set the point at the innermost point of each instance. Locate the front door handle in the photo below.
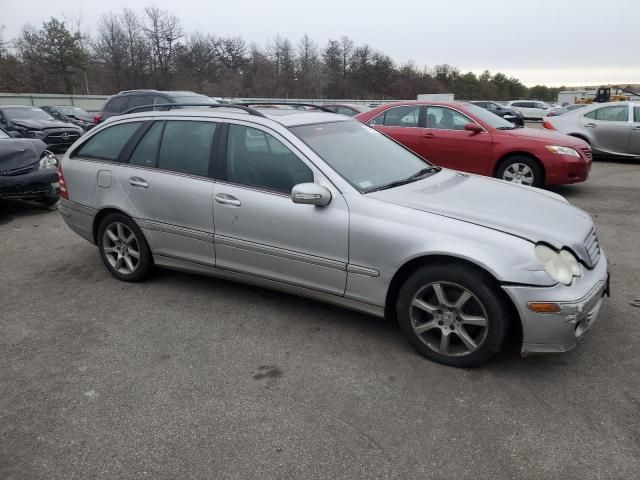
(428, 135)
(138, 182)
(590, 125)
(225, 199)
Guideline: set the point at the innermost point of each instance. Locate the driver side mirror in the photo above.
(311, 194)
(14, 134)
(473, 127)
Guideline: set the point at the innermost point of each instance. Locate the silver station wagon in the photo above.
(319, 205)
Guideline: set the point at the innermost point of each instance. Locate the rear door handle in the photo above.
(637, 128)
(138, 182)
(428, 135)
(590, 125)
(226, 199)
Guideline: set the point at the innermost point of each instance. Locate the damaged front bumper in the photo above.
(36, 185)
(579, 305)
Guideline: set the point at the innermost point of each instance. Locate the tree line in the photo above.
(149, 49)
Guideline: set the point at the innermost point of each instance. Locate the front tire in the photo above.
(522, 170)
(453, 314)
(123, 248)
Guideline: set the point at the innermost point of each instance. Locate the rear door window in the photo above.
(108, 143)
(187, 147)
(116, 105)
(407, 116)
(617, 113)
(636, 114)
(140, 100)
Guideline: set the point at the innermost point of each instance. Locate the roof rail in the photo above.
(169, 106)
(137, 90)
(289, 104)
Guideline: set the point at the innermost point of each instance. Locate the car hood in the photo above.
(18, 153)
(526, 212)
(40, 124)
(546, 136)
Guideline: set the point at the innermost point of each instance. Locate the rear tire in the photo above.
(123, 248)
(453, 314)
(522, 170)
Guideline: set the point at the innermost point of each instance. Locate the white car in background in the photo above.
(531, 109)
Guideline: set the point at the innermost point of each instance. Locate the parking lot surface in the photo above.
(186, 376)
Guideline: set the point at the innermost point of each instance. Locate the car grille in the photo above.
(593, 247)
(19, 171)
(586, 151)
(61, 137)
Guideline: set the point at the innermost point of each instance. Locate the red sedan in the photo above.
(466, 137)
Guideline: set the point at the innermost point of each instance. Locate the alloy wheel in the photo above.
(449, 319)
(121, 248)
(519, 173)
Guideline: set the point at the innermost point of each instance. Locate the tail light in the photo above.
(64, 193)
(97, 118)
(548, 125)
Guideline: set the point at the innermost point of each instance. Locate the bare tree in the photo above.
(163, 31)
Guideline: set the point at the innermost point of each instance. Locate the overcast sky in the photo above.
(552, 42)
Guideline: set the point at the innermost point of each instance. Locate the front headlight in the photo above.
(561, 266)
(48, 160)
(37, 133)
(562, 150)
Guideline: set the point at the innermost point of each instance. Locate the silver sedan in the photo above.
(319, 205)
(612, 129)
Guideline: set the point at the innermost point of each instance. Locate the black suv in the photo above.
(127, 99)
(33, 122)
(508, 113)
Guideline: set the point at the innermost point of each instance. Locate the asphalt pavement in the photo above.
(185, 376)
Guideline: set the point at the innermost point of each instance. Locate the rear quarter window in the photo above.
(107, 143)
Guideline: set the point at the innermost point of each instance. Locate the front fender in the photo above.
(394, 236)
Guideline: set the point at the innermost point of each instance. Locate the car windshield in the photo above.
(3, 134)
(26, 113)
(489, 118)
(364, 157)
(74, 112)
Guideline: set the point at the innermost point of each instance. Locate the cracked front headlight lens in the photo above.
(563, 150)
(48, 160)
(561, 266)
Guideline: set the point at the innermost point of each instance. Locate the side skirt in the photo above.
(186, 266)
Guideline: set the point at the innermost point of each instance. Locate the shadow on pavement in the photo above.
(12, 209)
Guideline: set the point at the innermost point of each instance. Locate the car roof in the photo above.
(287, 118)
(19, 106)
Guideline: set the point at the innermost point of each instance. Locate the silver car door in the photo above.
(634, 140)
(167, 181)
(610, 128)
(260, 231)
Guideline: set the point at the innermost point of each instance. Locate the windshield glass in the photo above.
(26, 113)
(3, 134)
(364, 157)
(489, 118)
(74, 112)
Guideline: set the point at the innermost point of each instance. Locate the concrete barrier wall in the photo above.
(90, 103)
(93, 103)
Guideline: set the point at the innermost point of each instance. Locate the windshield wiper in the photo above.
(416, 176)
(511, 127)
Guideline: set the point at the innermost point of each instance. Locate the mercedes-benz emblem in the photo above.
(65, 136)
